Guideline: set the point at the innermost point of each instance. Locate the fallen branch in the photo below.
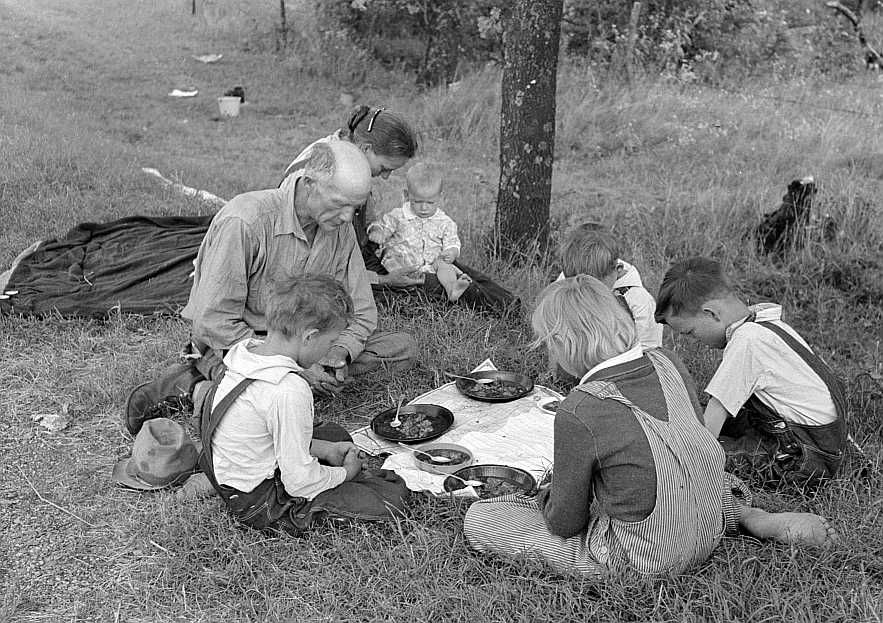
(53, 504)
(189, 191)
(873, 57)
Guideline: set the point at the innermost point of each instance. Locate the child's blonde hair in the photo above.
(424, 178)
(581, 323)
(307, 302)
(590, 249)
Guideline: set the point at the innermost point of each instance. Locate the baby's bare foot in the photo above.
(460, 286)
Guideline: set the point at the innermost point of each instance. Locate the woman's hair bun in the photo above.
(357, 116)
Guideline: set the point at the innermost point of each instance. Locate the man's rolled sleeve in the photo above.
(217, 302)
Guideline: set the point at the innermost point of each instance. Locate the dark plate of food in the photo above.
(498, 480)
(420, 422)
(506, 386)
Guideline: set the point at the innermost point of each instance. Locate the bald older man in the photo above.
(263, 235)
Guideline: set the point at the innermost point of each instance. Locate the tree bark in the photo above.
(632, 39)
(527, 127)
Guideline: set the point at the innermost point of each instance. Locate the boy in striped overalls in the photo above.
(777, 406)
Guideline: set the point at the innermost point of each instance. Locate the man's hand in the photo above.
(336, 359)
(320, 381)
(402, 278)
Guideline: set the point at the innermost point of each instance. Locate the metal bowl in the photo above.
(486, 393)
(514, 479)
(439, 418)
(460, 455)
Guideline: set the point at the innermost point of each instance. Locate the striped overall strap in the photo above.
(687, 522)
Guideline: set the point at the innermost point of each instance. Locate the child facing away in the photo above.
(787, 402)
(593, 250)
(639, 484)
(419, 235)
(261, 452)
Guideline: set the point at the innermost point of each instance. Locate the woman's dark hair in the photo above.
(388, 133)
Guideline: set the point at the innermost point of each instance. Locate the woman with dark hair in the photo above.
(389, 142)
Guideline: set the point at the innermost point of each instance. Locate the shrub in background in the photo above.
(434, 39)
(707, 41)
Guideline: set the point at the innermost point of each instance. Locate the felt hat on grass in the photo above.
(162, 456)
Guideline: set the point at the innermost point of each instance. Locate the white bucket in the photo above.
(229, 106)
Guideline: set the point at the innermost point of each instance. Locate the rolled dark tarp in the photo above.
(137, 264)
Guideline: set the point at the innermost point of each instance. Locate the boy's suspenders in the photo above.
(834, 384)
(209, 419)
(619, 293)
(267, 505)
(806, 452)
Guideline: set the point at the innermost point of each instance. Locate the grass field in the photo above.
(677, 170)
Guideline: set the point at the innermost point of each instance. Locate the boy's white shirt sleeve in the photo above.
(643, 308)
(739, 375)
(290, 419)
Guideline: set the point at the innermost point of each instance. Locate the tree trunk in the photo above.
(527, 128)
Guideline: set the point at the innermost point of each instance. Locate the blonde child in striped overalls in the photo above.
(638, 482)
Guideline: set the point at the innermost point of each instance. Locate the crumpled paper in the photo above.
(183, 93)
(196, 488)
(209, 58)
(54, 422)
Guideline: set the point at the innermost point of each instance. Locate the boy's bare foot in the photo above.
(792, 528)
(460, 286)
(806, 528)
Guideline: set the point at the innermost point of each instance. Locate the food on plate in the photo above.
(497, 389)
(493, 487)
(456, 456)
(414, 425)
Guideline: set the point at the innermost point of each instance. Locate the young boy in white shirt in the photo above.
(419, 235)
(789, 403)
(590, 249)
(261, 451)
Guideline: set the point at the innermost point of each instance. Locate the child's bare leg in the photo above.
(453, 280)
(793, 528)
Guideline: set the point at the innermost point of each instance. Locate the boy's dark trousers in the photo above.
(372, 496)
(798, 454)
